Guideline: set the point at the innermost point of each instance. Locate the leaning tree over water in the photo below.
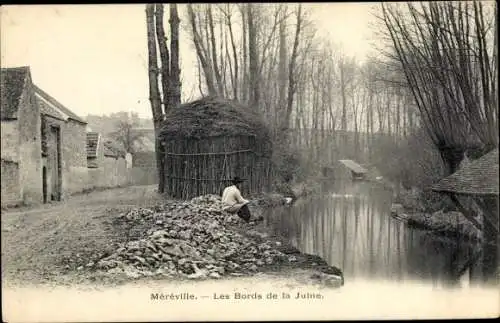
(448, 54)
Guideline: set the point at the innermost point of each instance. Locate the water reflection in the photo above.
(352, 229)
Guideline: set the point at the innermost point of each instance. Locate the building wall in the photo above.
(10, 140)
(30, 166)
(112, 172)
(74, 170)
(11, 188)
(74, 148)
(11, 185)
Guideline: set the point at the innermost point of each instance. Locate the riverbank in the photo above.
(97, 241)
(195, 240)
(451, 224)
(430, 211)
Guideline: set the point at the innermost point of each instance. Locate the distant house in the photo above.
(476, 182)
(474, 189)
(42, 143)
(107, 164)
(358, 172)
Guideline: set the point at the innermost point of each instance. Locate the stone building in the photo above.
(63, 148)
(43, 143)
(20, 138)
(474, 189)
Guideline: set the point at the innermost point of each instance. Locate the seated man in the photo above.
(235, 203)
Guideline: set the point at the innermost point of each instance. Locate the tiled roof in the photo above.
(12, 84)
(49, 110)
(353, 166)
(478, 177)
(92, 142)
(44, 96)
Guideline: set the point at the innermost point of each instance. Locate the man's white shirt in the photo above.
(232, 195)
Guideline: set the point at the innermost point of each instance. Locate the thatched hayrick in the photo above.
(211, 140)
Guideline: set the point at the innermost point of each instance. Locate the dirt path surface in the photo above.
(38, 243)
(54, 244)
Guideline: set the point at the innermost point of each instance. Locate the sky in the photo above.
(93, 58)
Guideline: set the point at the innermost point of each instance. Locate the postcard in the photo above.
(249, 161)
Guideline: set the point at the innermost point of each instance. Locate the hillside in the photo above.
(107, 124)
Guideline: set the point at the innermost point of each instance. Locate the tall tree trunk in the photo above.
(292, 86)
(215, 66)
(344, 107)
(202, 53)
(253, 58)
(244, 70)
(282, 75)
(235, 54)
(154, 93)
(175, 72)
(369, 121)
(164, 55)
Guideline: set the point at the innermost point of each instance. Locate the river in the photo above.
(351, 228)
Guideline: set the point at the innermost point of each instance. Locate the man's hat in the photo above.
(237, 180)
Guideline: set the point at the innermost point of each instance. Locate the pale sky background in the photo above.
(93, 58)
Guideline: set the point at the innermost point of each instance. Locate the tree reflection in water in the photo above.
(355, 231)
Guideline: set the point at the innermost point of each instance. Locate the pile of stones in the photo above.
(192, 239)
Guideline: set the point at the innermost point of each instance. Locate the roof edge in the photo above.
(51, 116)
(56, 104)
(27, 76)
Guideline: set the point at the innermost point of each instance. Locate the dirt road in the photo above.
(59, 244)
(40, 243)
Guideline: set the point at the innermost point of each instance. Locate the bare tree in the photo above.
(202, 52)
(175, 71)
(254, 98)
(127, 136)
(164, 55)
(291, 72)
(154, 92)
(446, 53)
(170, 74)
(282, 68)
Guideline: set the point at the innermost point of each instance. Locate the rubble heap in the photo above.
(190, 239)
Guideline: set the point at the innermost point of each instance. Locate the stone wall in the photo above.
(30, 166)
(74, 148)
(111, 172)
(10, 140)
(11, 188)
